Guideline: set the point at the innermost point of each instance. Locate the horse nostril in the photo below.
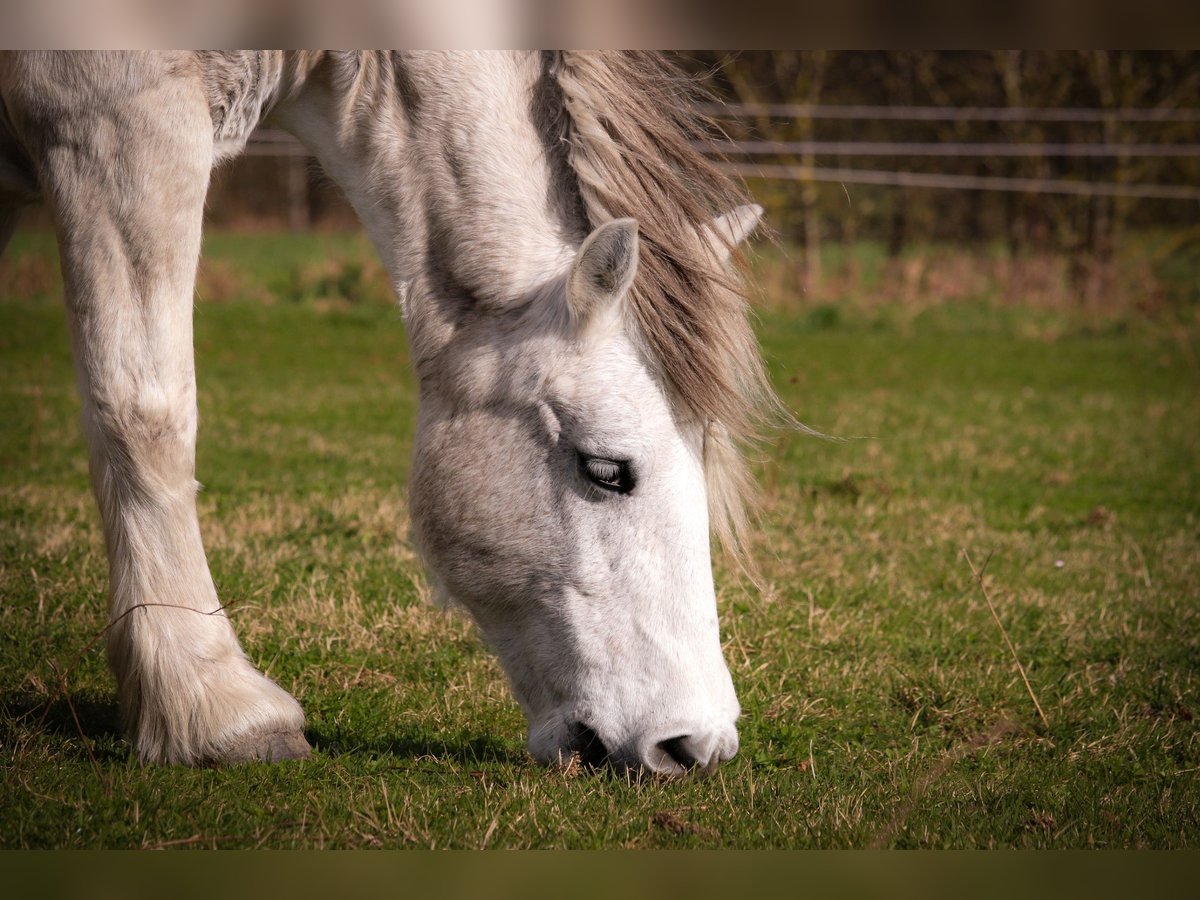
(679, 750)
(585, 742)
(685, 754)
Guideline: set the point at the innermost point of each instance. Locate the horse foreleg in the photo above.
(125, 177)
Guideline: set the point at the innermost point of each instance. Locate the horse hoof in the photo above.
(275, 746)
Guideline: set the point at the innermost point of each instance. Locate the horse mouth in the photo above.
(584, 743)
(671, 758)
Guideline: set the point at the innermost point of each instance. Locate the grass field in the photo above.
(882, 705)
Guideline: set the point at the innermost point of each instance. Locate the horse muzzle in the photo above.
(669, 753)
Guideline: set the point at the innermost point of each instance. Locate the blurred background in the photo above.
(1068, 181)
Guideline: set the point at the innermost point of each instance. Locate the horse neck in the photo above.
(446, 162)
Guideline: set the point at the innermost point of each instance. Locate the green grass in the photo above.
(882, 706)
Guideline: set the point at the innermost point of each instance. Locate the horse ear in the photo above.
(603, 269)
(729, 230)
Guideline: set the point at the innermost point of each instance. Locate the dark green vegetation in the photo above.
(881, 703)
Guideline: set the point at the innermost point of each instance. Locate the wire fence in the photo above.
(950, 149)
(961, 182)
(272, 142)
(948, 113)
(733, 153)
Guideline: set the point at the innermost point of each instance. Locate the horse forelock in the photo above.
(629, 123)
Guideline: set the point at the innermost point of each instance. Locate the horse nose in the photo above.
(673, 757)
(689, 753)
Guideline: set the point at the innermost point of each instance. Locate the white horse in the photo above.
(586, 369)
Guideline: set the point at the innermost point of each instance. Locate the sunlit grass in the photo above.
(882, 706)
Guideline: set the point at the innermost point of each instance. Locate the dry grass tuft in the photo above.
(978, 575)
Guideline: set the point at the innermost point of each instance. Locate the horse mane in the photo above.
(630, 125)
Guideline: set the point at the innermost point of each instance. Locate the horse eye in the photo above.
(610, 474)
